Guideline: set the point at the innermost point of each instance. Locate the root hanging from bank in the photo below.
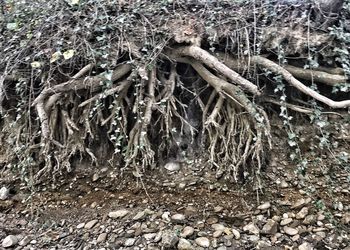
(187, 103)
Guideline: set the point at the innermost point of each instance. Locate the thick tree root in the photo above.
(277, 69)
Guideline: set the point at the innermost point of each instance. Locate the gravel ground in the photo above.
(180, 207)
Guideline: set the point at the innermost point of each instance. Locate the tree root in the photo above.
(234, 148)
(328, 76)
(279, 70)
(212, 62)
(74, 84)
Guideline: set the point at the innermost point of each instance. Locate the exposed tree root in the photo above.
(149, 114)
(212, 62)
(234, 137)
(328, 76)
(277, 69)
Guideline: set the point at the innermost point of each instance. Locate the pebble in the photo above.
(101, 238)
(218, 209)
(178, 218)
(165, 216)
(212, 220)
(300, 203)
(25, 241)
(309, 219)
(118, 214)
(90, 224)
(305, 246)
(149, 236)
(9, 241)
(95, 177)
(263, 245)
(290, 231)
(139, 215)
(302, 213)
(236, 233)
(169, 239)
(184, 245)
(222, 248)
(264, 206)
(270, 227)
(251, 228)
(284, 184)
(172, 166)
(187, 232)
(286, 221)
(217, 233)
(202, 242)
(4, 193)
(129, 242)
(80, 225)
(218, 227)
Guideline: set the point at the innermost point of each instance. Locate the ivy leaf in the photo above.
(68, 54)
(12, 26)
(72, 2)
(35, 65)
(55, 56)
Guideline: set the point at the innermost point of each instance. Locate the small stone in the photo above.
(346, 219)
(276, 218)
(101, 238)
(302, 213)
(165, 216)
(190, 210)
(321, 234)
(218, 227)
(264, 206)
(129, 242)
(263, 245)
(270, 227)
(172, 166)
(202, 242)
(139, 215)
(228, 240)
(149, 236)
(169, 239)
(284, 184)
(296, 237)
(187, 232)
(158, 237)
(178, 218)
(212, 220)
(253, 238)
(290, 231)
(182, 185)
(236, 233)
(251, 228)
(90, 224)
(286, 221)
(9, 241)
(25, 241)
(81, 225)
(301, 202)
(95, 177)
(94, 204)
(321, 217)
(4, 193)
(309, 220)
(118, 214)
(217, 234)
(218, 209)
(184, 245)
(222, 248)
(305, 246)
